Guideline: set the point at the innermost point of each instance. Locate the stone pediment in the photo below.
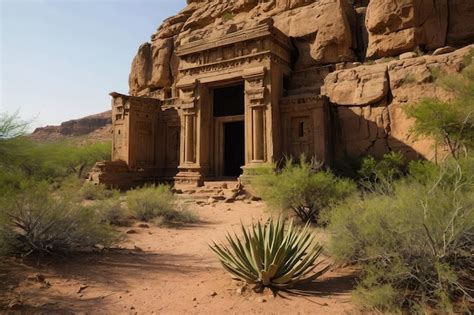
(261, 31)
(235, 49)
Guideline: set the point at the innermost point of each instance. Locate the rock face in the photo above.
(359, 86)
(369, 100)
(322, 31)
(397, 26)
(98, 126)
(226, 85)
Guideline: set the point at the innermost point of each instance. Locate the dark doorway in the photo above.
(234, 148)
(229, 101)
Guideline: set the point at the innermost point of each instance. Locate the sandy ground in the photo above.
(163, 271)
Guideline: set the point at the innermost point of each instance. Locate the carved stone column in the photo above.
(189, 168)
(255, 100)
(189, 149)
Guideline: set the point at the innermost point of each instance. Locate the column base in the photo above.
(189, 177)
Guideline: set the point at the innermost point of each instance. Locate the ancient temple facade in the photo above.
(230, 111)
(226, 86)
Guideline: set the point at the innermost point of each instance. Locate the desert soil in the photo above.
(163, 271)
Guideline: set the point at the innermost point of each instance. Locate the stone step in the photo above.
(221, 184)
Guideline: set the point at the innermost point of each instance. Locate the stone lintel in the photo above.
(254, 73)
(187, 84)
(260, 31)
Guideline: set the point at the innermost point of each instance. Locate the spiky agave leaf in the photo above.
(272, 255)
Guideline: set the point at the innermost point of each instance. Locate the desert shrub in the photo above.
(53, 162)
(157, 203)
(415, 246)
(38, 222)
(302, 188)
(271, 255)
(11, 126)
(451, 122)
(91, 191)
(379, 175)
(111, 211)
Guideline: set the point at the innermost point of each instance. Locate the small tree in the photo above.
(414, 246)
(11, 126)
(452, 122)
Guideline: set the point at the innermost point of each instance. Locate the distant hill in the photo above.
(96, 128)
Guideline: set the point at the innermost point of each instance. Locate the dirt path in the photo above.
(165, 271)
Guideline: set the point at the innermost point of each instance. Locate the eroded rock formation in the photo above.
(98, 127)
(369, 102)
(322, 32)
(327, 78)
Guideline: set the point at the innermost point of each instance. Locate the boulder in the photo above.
(141, 69)
(322, 32)
(443, 50)
(151, 66)
(397, 26)
(369, 103)
(358, 86)
(407, 55)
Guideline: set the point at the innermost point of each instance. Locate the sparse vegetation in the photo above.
(11, 126)
(227, 16)
(379, 175)
(414, 245)
(451, 122)
(53, 162)
(272, 255)
(91, 191)
(35, 221)
(111, 211)
(303, 188)
(157, 203)
(409, 78)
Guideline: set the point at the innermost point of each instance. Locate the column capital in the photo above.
(254, 73)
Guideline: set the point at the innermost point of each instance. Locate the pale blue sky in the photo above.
(61, 58)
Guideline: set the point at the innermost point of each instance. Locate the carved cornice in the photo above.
(233, 63)
(260, 31)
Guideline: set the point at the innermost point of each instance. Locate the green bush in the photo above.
(23, 159)
(302, 188)
(450, 123)
(271, 255)
(157, 203)
(111, 211)
(379, 175)
(415, 246)
(35, 221)
(11, 126)
(91, 191)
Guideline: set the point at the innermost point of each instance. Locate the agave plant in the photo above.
(271, 255)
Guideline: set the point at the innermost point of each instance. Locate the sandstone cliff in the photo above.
(367, 90)
(97, 127)
(323, 31)
(368, 101)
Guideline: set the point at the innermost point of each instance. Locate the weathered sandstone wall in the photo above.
(368, 102)
(367, 99)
